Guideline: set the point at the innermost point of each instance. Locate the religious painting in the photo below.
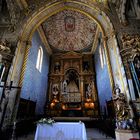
(69, 23)
(69, 31)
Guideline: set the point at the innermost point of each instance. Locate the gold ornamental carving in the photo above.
(130, 48)
(130, 45)
(72, 85)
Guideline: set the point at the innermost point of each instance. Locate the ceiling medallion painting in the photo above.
(69, 23)
(70, 31)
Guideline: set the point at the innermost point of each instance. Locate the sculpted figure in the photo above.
(55, 89)
(123, 118)
(64, 87)
(120, 105)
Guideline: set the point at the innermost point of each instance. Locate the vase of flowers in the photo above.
(46, 121)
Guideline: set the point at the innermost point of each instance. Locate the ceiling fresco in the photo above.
(70, 31)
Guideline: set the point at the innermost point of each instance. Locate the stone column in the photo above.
(20, 82)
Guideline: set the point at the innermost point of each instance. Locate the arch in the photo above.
(33, 23)
(93, 12)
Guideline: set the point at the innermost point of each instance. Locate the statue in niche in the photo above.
(57, 67)
(123, 118)
(90, 90)
(72, 81)
(72, 87)
(64, 88)
(55, 90)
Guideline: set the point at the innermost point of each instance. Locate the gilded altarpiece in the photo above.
(72, 90)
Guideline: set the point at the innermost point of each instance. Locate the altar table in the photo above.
(61, 131)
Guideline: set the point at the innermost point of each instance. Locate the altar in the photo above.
(72, 86)
(61, 131)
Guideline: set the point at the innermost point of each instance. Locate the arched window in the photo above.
(102, 56)
(39, 59)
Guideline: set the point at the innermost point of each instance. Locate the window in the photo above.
(39, 59)
(102, 56)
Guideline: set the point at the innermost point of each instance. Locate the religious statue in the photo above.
(57, 67)
(89, 91)
(123, 118)
(64, 88)
(55, 90)
(72, 87)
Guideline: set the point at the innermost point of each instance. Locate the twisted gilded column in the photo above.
(22, 73)
(24, 65)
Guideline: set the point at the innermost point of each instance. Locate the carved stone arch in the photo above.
(93, 12)
(43, 13)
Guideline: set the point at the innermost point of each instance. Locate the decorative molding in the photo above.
(71, 31)
(50, 9)
(5, 47)
(95, 43)
(130, 46)
(121, 11)
(15, 14)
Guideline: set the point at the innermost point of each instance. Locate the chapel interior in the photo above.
(65, 60)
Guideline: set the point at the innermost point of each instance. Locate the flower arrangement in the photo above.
(46, 121)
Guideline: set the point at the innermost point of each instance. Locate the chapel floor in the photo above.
(92, 134)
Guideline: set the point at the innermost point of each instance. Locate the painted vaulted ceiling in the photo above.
(70, 31)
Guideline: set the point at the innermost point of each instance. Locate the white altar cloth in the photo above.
(61, 131)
